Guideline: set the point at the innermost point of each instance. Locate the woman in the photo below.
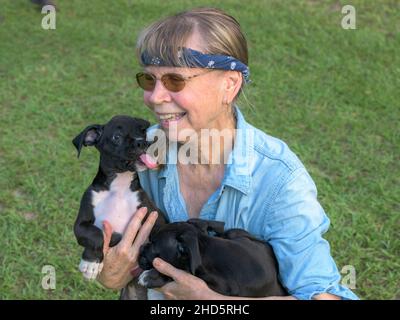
(194, 68)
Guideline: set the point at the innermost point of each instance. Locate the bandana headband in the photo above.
(196, 59)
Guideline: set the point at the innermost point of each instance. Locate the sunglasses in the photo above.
(173, 82)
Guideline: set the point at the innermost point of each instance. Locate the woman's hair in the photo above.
(220, 34)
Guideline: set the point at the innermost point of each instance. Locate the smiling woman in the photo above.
(195, 65)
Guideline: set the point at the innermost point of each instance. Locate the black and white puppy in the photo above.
(115, 193)
(232, 263)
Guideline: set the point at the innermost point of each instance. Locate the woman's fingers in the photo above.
(168, 269)
(107, 232)
(144, 232)
(132, 229)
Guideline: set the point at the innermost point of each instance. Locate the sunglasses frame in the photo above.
(164, 79)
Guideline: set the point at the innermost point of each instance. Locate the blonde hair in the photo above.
(220, 32)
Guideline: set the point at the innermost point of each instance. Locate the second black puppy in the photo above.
(115, 193)
(232, 263)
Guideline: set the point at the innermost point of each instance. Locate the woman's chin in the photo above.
(177, 131)
(174, 135)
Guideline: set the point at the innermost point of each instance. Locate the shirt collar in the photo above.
(237, 170)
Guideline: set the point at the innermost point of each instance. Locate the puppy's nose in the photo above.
(141, 144)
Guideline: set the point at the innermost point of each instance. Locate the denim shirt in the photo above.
(267, 191)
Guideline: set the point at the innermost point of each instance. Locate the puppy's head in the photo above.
(208, 227)
(120, 142)
(177, 243)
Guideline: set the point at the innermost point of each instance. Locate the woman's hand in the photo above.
(121, 259)
(185, 286)
(188, 287)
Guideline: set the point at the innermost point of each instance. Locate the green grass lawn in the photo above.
(332, 94)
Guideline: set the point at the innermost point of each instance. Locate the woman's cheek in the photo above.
(146, 98)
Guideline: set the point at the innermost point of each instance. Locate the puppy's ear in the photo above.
(143, 124)
(207, 226)
(188, 241)
(88, 137)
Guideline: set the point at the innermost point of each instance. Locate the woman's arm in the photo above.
(121, 259)
(294, 226)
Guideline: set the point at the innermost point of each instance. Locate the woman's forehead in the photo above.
(156, 70)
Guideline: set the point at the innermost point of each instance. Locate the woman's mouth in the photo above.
(166, 119)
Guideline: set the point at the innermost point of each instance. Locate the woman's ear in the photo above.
(233, 83)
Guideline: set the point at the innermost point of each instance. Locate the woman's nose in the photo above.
(159, 94)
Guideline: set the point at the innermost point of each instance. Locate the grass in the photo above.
(331, 94)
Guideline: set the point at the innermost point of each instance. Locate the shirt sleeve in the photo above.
(295, 223)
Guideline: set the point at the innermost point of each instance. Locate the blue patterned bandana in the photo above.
(196, 59)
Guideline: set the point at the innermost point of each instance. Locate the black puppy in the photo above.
(115, 193)
(232, 263)
(43, 3)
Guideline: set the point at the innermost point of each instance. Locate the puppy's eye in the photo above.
(181, 249)
(116, 138)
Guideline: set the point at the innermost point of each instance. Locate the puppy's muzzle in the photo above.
(145, 257)
(140, 144)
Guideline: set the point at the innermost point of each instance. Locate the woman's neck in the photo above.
(211, 146)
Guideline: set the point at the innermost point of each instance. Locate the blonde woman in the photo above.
(195, 65)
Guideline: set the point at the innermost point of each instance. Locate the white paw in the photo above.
(143, 278)
(90, 269)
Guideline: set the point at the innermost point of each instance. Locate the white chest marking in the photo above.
(116, 205)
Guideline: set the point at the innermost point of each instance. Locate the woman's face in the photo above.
(198, 106)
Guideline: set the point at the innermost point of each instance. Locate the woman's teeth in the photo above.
(171, 116)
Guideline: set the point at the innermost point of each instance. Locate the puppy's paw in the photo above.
(90, 269)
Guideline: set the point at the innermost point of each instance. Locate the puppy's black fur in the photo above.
(120, 142)
(232, 263)
(42, 3)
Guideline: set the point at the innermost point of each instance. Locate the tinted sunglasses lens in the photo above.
(173, 82)
(146, 81)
